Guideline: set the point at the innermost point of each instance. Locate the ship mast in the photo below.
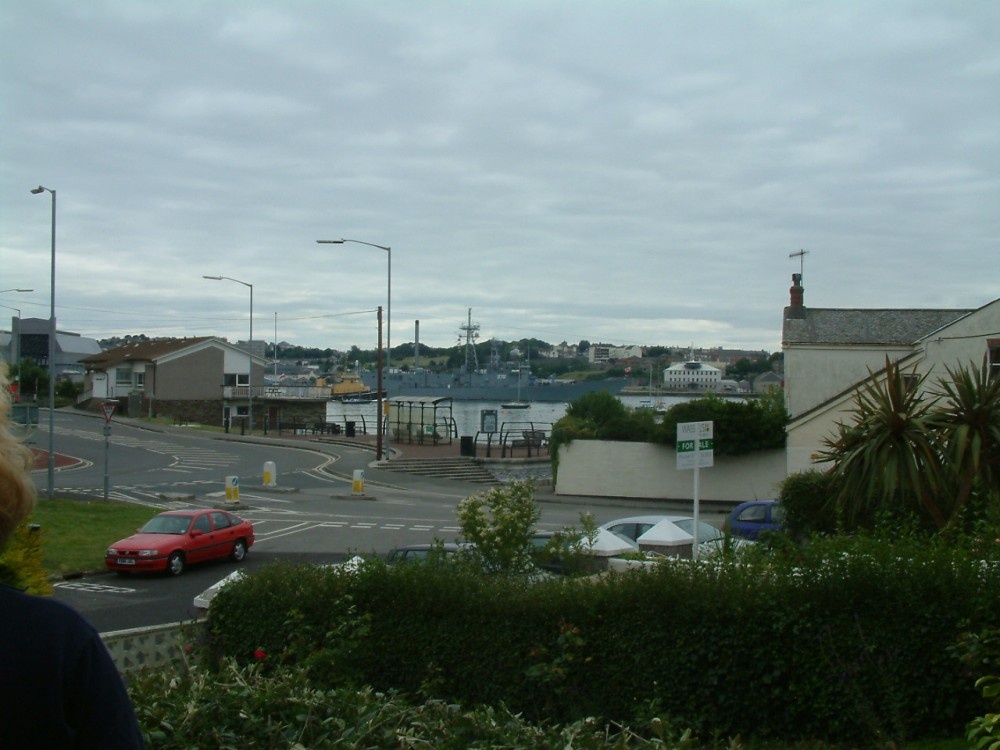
(471, 331)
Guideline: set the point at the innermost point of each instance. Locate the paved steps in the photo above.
(461, 468)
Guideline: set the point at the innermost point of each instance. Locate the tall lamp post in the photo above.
(388, 311)
(52, 347)
(249, 348)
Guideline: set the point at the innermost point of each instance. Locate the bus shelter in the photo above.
(422, 420)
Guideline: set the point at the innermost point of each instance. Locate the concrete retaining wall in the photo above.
(600, 468)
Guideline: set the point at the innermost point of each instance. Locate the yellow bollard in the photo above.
(270, 474)
(232, 489)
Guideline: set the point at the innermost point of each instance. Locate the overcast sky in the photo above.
(621, 172)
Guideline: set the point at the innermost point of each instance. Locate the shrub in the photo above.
(21, 561)
(740, 426)
(248, 706)
(846, 641)
(499, 524)
(807, 499)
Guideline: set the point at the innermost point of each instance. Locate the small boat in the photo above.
(357, 400)
(519, 404)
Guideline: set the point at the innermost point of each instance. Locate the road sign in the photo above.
(108, 407)
(695, 445)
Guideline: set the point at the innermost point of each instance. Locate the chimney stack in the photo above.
(416, 346)
(796, 292)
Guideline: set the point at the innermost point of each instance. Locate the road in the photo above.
(311, 515)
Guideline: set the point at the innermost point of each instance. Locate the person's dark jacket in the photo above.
(59, 687)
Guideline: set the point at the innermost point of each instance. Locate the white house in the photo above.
(692, 375)
(828, 353)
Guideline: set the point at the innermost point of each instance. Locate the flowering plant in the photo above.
(499, 524)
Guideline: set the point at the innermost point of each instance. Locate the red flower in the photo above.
(259, 654)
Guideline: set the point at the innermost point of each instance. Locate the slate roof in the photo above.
(142, 351)
(810, 325)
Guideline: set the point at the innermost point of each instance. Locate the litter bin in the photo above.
(467, 445)
(349, 429)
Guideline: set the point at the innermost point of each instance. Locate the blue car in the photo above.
(750, 519)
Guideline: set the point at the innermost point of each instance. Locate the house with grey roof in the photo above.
(202, 379)
(829, 352)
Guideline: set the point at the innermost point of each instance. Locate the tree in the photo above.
(596, 407)
(900, 453)
(969, 422)
(741, 426)
(499, 524)
(34, 379)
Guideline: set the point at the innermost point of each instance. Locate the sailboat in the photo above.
(519, 404)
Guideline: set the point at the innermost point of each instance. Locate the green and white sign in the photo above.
(695, 445)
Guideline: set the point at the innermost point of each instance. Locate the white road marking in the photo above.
(98, 588)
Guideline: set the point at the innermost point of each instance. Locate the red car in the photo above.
(173, 540)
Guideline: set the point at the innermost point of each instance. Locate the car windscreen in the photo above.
(706, 532)
(167, 525)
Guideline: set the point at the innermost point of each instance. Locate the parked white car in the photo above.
(667, 534)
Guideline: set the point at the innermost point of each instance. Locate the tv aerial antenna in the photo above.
(801, 255)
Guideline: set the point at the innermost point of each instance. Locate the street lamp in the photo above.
(250, 347)
(388, 310)
(52, 347)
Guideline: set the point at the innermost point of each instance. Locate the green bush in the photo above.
(740, 426)
(21, 561)
(250, 706)
(807, 498)
(847, 640)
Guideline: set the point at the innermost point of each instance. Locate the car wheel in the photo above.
(239, 550)
(175, 563)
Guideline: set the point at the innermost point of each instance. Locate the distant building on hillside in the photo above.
(600, 354)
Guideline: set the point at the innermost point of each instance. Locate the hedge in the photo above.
(848, 640)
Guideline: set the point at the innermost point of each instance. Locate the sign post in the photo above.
(108, 409)
(695, 450)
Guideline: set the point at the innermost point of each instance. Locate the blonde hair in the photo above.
(17, 490)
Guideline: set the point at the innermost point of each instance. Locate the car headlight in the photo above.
(110, 552)
(148, 552)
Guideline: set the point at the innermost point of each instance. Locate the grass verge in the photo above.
(75, 533)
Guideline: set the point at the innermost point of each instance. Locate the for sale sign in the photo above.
(695, 445)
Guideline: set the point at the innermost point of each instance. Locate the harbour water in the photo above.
(468, 414)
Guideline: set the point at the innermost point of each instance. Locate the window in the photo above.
(201, 524)
(993, 355)
(140, 378)
(123, 377)
(236, 378)
(754, 514)
(220, 521)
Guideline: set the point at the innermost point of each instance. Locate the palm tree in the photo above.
(969, 423)
(889, 456)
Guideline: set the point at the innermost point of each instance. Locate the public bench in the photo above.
(530, 439)
(326, 428)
